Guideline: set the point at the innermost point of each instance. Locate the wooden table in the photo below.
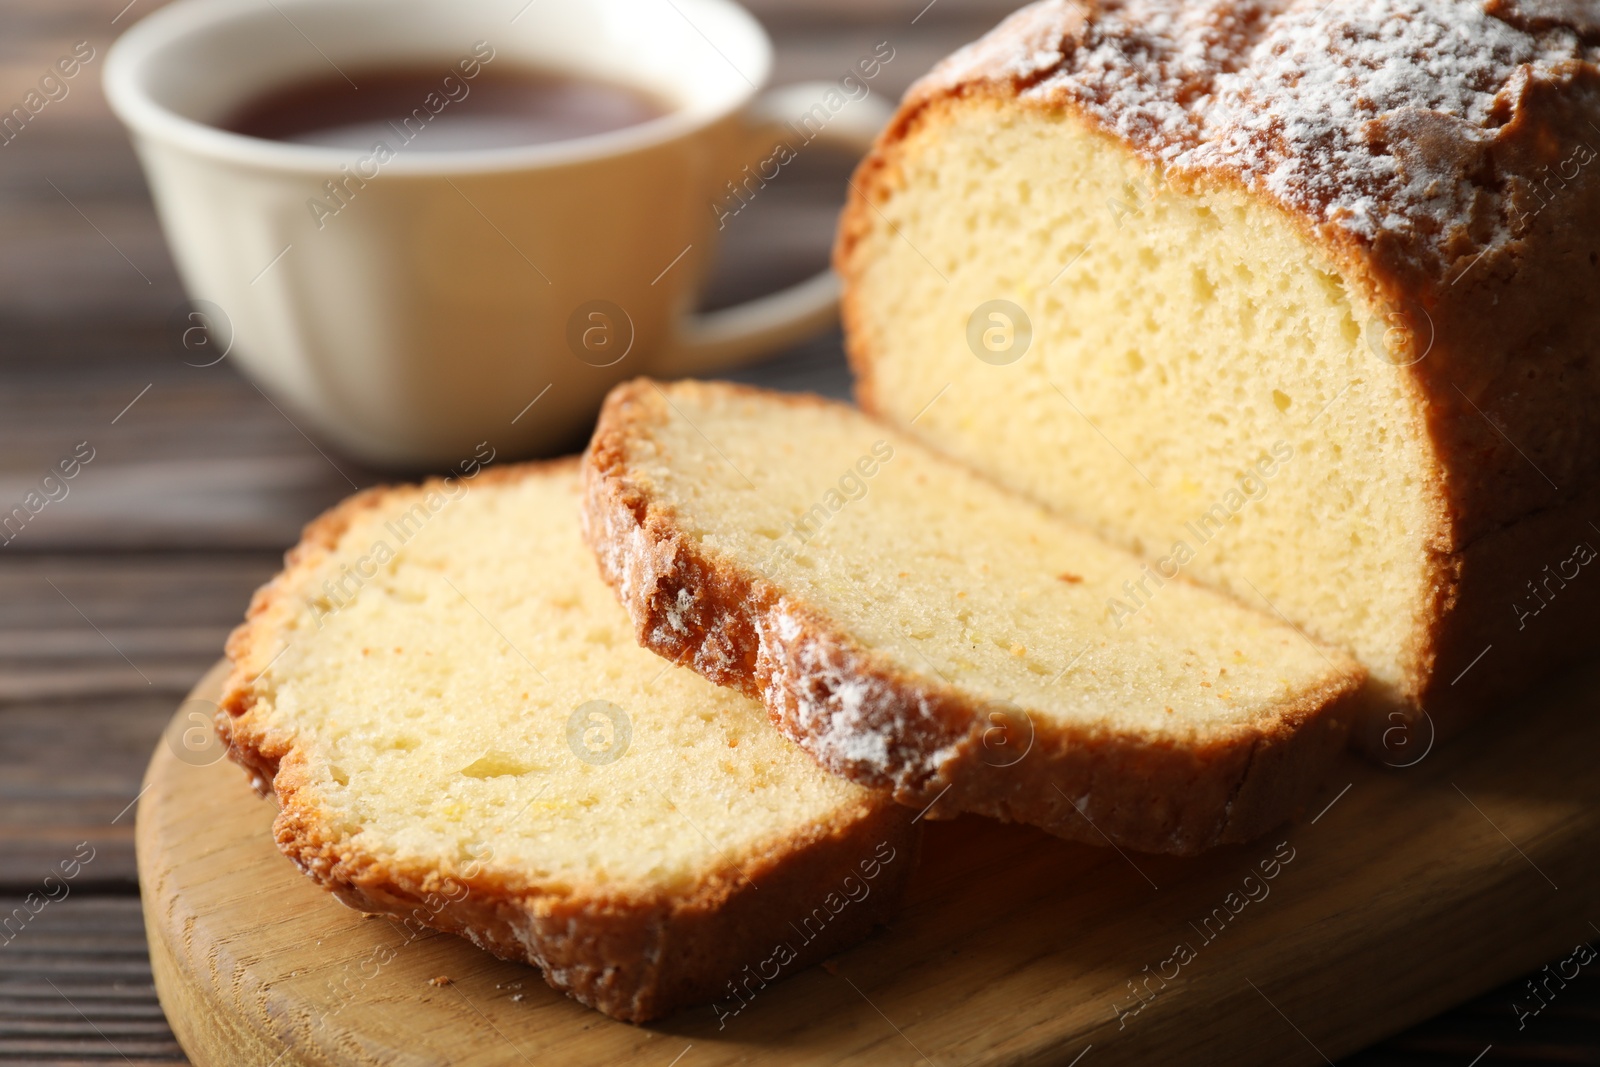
(114, 599)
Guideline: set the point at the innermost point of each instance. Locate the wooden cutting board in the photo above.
(1398, 894)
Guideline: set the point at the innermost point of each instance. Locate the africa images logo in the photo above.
(598, 732)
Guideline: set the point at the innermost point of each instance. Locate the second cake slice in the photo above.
(913, 625)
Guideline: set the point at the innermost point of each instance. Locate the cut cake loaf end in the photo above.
(1298, 298)
(460, 729)
(913, 625)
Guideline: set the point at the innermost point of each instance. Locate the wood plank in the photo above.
(93, 650)
(171, 593)
(1012, 948)
(63, 785)
(75, 986)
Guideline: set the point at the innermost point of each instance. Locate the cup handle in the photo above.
(713, 340)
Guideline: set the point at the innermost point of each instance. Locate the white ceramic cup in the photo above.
(451, 290)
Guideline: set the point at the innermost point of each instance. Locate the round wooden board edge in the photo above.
(210, 1037)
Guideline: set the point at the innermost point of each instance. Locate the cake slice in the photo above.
(1305, 288)
(915, 626)
(460, 729)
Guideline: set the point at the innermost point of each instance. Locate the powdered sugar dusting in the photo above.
(850, 718)
(843, 718)
(1313, 113)
(1361, 114)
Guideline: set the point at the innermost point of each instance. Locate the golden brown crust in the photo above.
(1478, 157)
(736, 628)
(1382, 124)
(1531, 611)
(633, 952)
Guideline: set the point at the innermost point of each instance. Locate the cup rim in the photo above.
(146, 117)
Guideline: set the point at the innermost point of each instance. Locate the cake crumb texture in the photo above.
(460, 731)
